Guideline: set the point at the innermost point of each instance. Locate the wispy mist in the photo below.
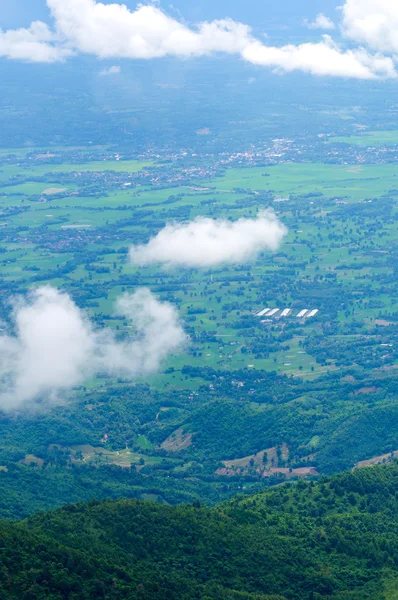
(56, 347)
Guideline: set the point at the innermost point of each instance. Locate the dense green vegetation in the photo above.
(335, 539)
(298, 391)
(232, 473)
(247, 404)
(174, 446)
(219, 477)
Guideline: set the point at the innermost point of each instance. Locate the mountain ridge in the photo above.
(333, 539)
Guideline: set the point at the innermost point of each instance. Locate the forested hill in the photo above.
(336, 539)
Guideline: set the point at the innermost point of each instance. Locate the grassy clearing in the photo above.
(122, 458)
(144, 443)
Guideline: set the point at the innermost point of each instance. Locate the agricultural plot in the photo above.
(368, 138)
(320, 310)
(350, 182)
(335, 266)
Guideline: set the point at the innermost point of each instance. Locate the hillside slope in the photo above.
(335, 539)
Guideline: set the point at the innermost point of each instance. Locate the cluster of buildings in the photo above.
(277, 313)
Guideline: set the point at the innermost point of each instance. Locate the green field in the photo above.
(240, 386)
(325, 237)
(354, 182)
(39, 170)
(368, 138)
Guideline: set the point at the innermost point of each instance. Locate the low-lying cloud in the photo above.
(208, 242)
(55, 346)
(113, 31)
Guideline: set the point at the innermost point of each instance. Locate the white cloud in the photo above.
(323, 58)
(372, 22)
(34, 44)
(55, 346)
(321, 21)
(110, 71)
(114, 31)
(206, 242)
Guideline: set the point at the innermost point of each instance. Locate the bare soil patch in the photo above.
(51, 191)
(177, 441)
(377, 460)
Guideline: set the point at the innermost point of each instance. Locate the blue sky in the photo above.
(17, 13)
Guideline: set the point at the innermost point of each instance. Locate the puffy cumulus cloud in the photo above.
(320, 22)
(372, 22)
(115, 31)
(35, 44)
(207, 242)
(323, 58)
(112, 30)
(55, 346)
